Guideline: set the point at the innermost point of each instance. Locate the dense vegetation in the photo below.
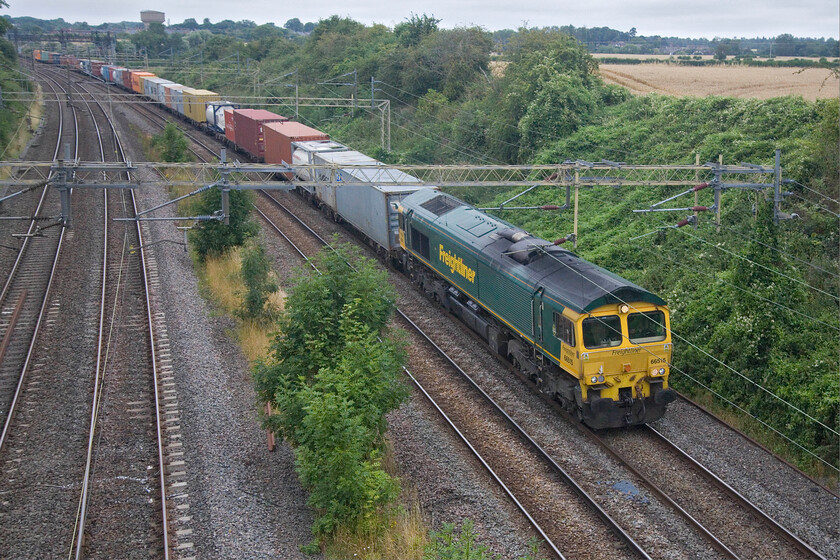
(11, 81)
(595, 39)
(606, 40)
(333, 374)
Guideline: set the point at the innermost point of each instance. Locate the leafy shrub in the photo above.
(214, 236)
(333, 377)
(256, 274)
(171, 144)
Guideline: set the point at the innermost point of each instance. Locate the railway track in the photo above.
(734, 531)
(115, 512)
(735, 525)
(159, 118)
(122, 505)
(25, 294)
(506, 451)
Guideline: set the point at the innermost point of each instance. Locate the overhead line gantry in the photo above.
(570, 176)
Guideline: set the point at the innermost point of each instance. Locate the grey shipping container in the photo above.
(176, 96)
(368, 208)
(302, 153)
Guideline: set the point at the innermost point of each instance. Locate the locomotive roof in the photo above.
(575, 282)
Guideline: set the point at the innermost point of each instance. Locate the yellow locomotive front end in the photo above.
(624, 364)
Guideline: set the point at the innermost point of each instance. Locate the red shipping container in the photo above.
(279, 138)
(230, 131)
(248, 129)
(227, 114)
(96, 67)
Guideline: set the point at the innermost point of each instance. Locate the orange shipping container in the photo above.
(136, 84)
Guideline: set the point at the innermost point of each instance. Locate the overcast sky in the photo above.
(711, 18)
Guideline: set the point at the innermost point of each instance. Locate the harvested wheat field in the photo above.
(732, 81)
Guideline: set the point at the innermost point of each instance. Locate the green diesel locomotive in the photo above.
(594, 341)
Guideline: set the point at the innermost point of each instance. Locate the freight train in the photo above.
(595, 342)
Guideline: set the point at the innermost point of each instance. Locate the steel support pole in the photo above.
(777, 186)
(577, 190)
(225, 189)
(717, 193)
(63, 189)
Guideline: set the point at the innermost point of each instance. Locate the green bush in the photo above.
(171, 144)
(450, 544)
(334, 374)
(256, 274)
(214, 236)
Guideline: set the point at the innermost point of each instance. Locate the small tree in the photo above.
(172, 144)
(294, 24)
(5, 24)
(256, 274)
(410, 32)
(335, 374)
(214, 236)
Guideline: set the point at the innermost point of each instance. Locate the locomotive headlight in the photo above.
(662, 371)
(600, 379)
(594, 379)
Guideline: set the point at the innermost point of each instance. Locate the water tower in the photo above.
(151, 16)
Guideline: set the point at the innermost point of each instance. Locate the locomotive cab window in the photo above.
(420, 244)
(602, 332)
(564, 329)
(646, 327)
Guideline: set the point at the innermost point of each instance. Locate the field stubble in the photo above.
(728, 81)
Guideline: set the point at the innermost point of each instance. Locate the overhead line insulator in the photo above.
(685, 222)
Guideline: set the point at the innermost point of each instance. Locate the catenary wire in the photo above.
(819, 206)
(818, 193)
(806, 263)
(683, 339)
(753, 294)
(760, 265)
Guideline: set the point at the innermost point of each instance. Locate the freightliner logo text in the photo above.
(456, 264)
